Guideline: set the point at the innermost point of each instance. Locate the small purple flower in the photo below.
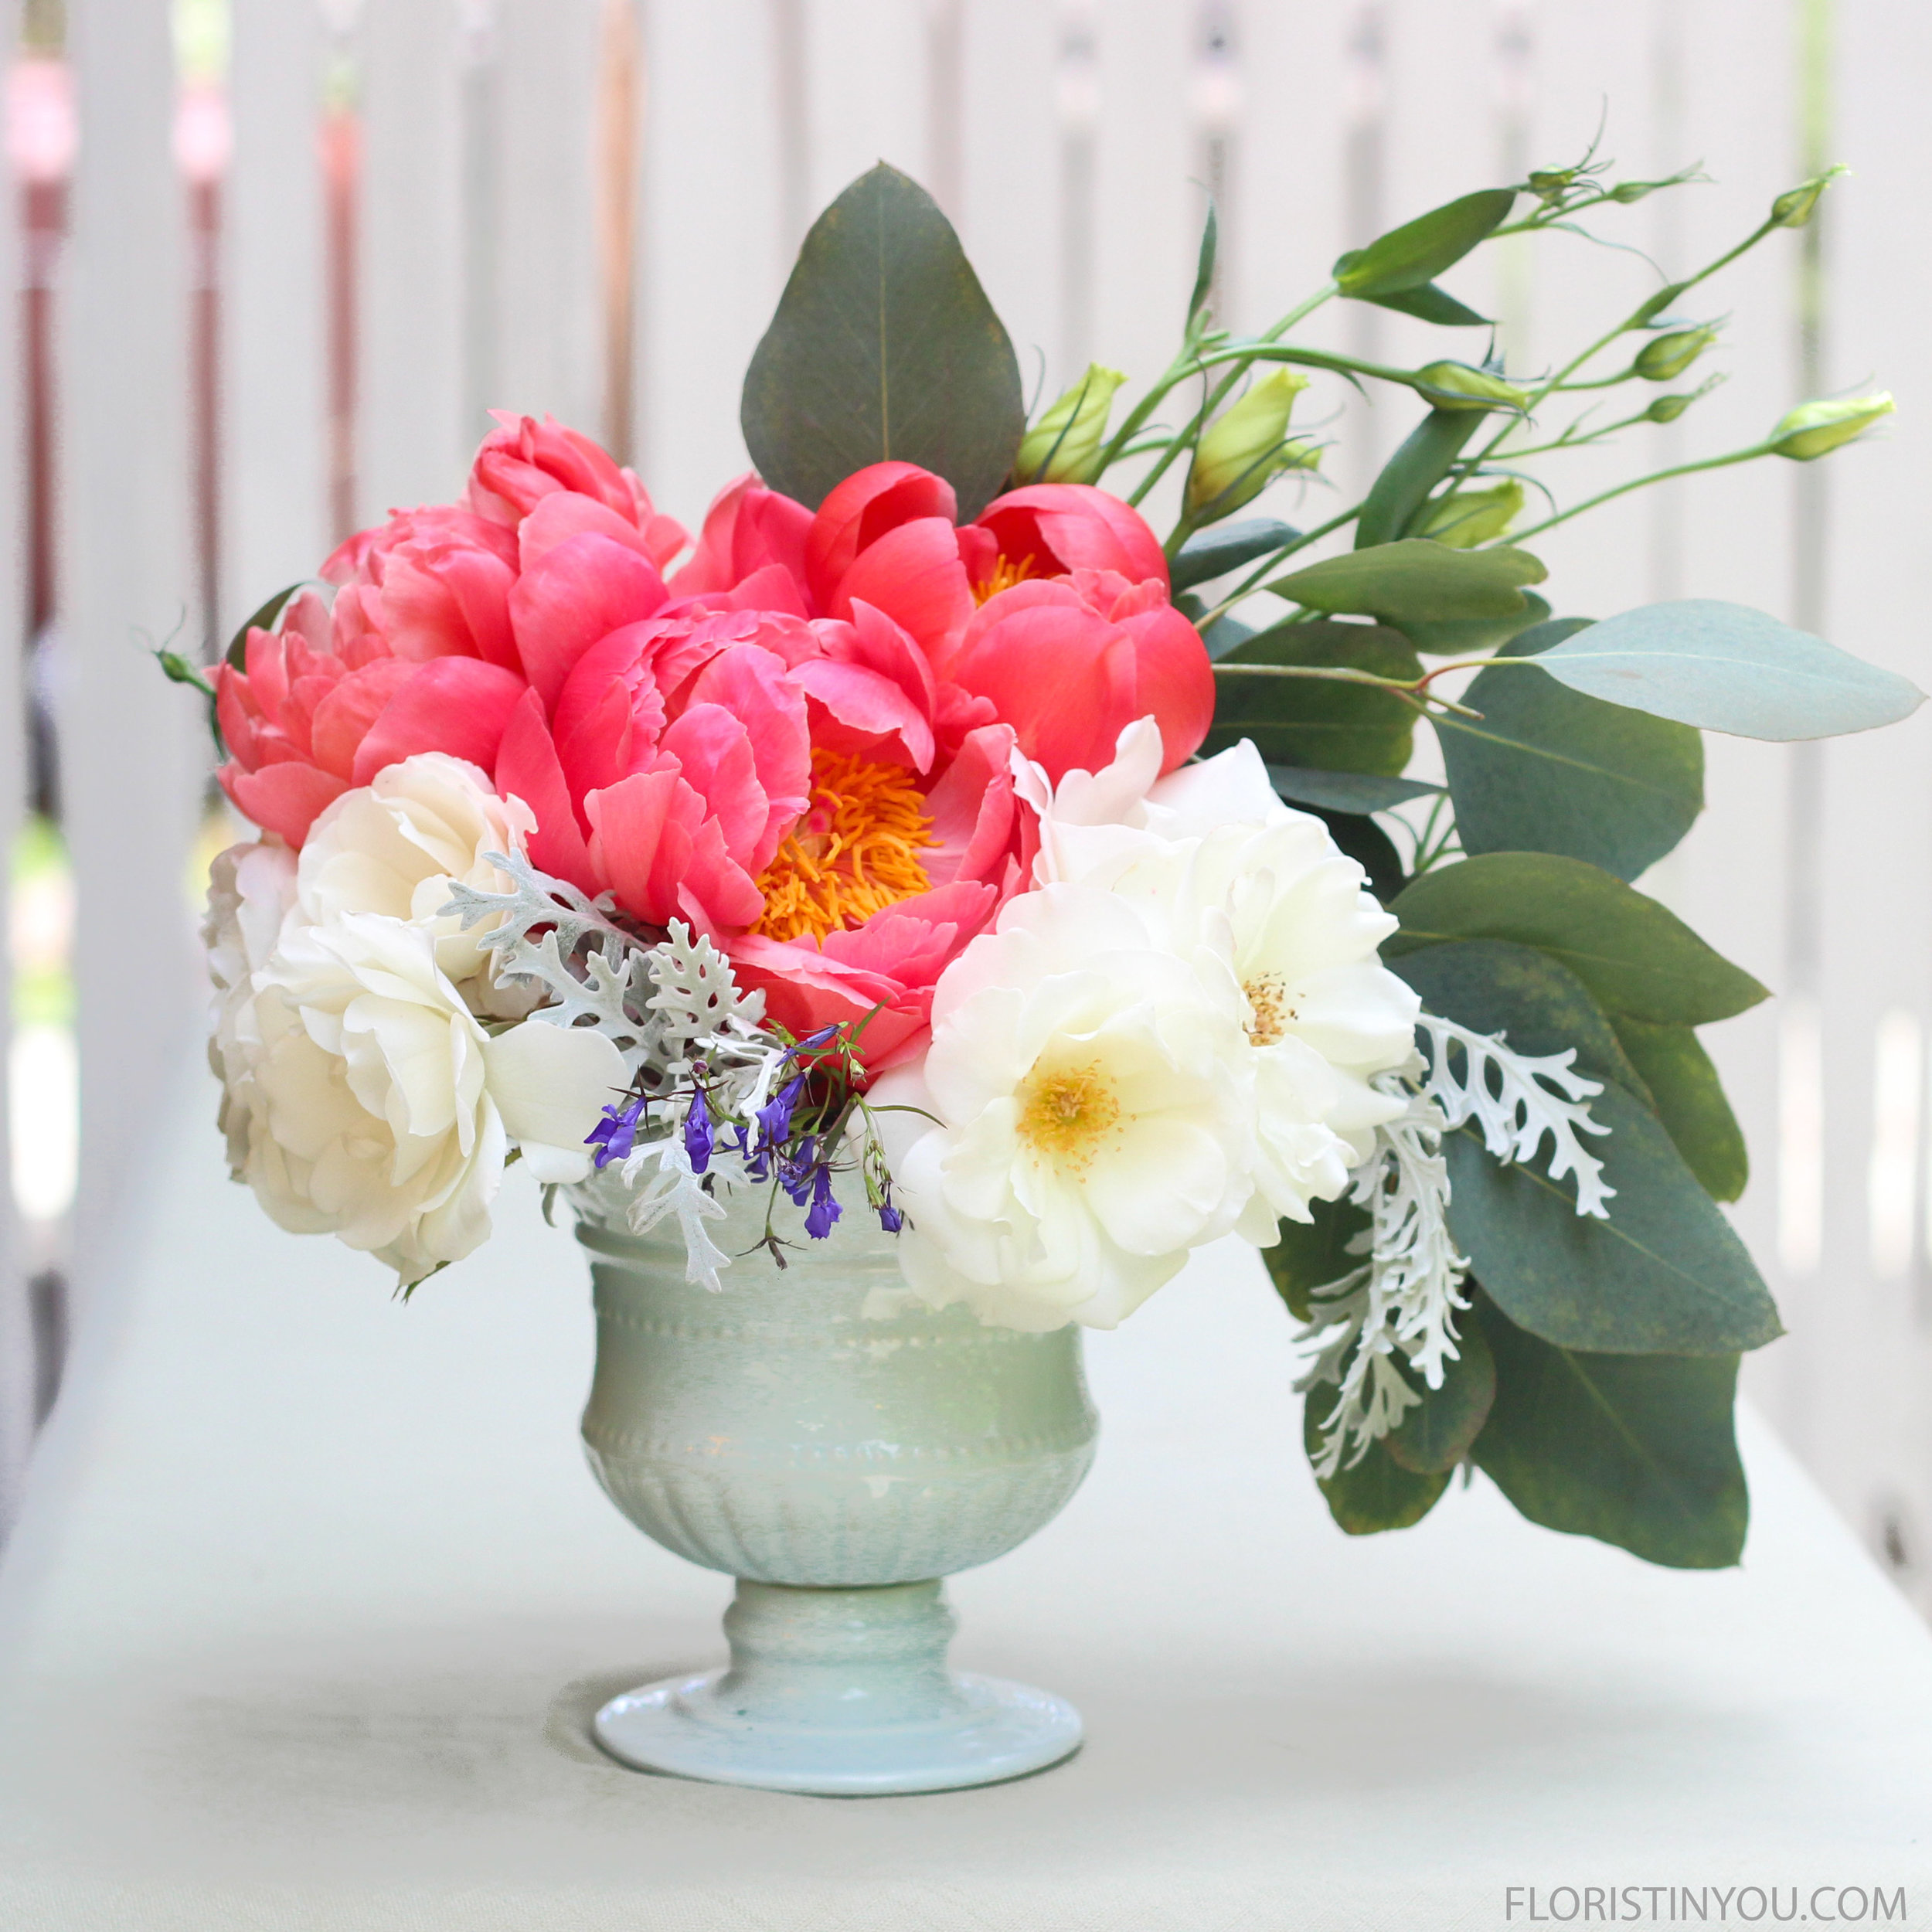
(824, 1209)
(890, 1218)
(810, 1041)
(774, 1117)
(697, 1132)
(615, 1136)
(795, 1175)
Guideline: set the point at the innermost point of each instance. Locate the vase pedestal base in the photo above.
(844, 1692)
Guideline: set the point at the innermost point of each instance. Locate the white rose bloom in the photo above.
(392, 1108)
(1096, 1105)
(395, 846)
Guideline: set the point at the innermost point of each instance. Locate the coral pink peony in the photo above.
(1069, 662)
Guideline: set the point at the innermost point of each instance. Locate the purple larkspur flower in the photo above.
(823, 1210)
(615, 1136)
(697, 1132)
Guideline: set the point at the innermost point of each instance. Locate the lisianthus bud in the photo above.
(1245, 448)
(1061, 447)
(1816, 428)
(1455, 386)
(1665, 357)
(1795, 207)
(1667, 409)
(1465, 517)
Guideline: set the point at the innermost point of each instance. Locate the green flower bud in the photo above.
(1794, 208)
(1667, 409)
(1665, 357)
(1455, 386)
(1814, 430)
(1465, 517)
(1061, 447)
(1244, 449)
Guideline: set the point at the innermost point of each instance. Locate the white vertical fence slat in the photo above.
(132, 752)
(17, 1363)
(868, 92)
(545, 290)
(713, 252)
(274, 407)
(414, 428)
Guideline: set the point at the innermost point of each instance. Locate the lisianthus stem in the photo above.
(1639, 483)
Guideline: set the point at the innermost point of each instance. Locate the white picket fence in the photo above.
(589, 207)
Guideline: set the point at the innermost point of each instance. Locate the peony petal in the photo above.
(913, 574)
(457, 705)
(283, 798)
(861, 510)
(571, 597)
(527, 768)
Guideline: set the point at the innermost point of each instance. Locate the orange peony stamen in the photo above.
(1006, 573)
(854, 852)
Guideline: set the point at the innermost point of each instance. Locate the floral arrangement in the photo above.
(930, 847)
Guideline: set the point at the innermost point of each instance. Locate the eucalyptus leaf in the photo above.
(1417, 252)
(1346, 791)
(1471, 637)
(1665, 1274)
(1634, 956)
(1725, 667)
(1637, 1451)
(884, 346)
(1414, 577)
(1403, 487)
(1225, 636)
(1439, 1432)
(1689, 1099)
(1429, 304)
(1545, 769)
(1310, 1254)
(262, 620)
(1213, 553)
(1378, 1493)
(1315, 721)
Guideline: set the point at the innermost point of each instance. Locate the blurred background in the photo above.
(273, 261)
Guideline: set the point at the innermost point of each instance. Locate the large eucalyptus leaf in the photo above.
(1545, 769)
(1346, 791)
(1378, 1493)
(1665, 1274)
(1423, 460)
(1689, 1099)
(1417, 252)
(1437, 1433)
(1635, 957)
(1414, 578)
(1471, 637)
(1724, 667)
(1537, 1005)
(1637, 1451)
(1314, 722)
(883, 346)
(1209, 554)
(1310, 1254)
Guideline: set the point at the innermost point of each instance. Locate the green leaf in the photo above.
(1665, 1275)
(263, 620)
(1432, 1439)
(1346, 791)
(1378, 1493)
(1405, 480)
(1635, 957)
(1636, 1451)
(1225, 636)
(1539, 1006)
(1689, 1099)
(1213, 553)
(1429, 304)
(1414, 578)
(1549, 769)
(1418, 251)
(1724, 667)
(1471, 637)
(1204, 264)
(1310, 722)
(883, 346)
(1311, 1254)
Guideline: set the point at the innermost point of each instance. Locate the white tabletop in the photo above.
(314, 1597)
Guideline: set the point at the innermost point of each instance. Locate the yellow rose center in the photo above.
(1269, 1011)
(1066, 1114)
(854, 852)
(1006, 573)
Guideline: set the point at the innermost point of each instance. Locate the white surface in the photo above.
(313, 1599)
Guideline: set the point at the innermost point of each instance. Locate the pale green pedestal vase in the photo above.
(838, 1464)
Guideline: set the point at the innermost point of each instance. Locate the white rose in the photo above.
(395, 846)
(381, 1111)
(1096, 1106)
